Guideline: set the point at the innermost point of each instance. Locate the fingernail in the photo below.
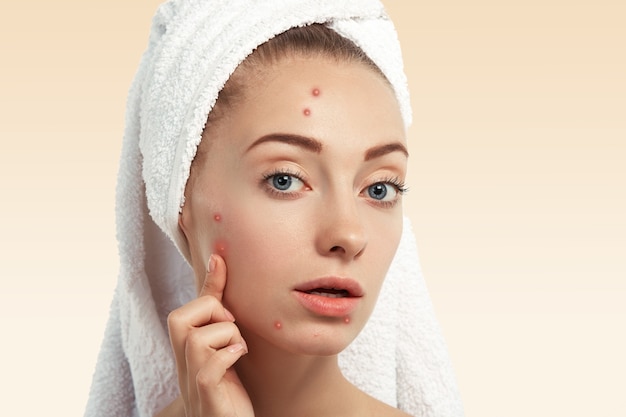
(229, 315)
(211, 264)
(245, 345)
(235, 348)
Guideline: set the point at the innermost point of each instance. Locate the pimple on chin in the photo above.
(278, 325)
(306, 112)
(316, 92)
(217, 217)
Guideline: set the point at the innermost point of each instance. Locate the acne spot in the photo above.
(316, 92)
(278, 325)
(346, 320)
(307, 112)
(217, 217)
(220, 247)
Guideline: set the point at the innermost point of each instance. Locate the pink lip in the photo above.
(328, 306)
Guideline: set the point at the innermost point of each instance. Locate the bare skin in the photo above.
(232, 399)
(273, 356)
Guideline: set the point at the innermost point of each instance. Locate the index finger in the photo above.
(215, 278)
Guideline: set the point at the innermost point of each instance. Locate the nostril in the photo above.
(335, 248)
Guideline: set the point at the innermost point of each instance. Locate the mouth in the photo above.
(330, 297)
(329, 292)
(332, 287)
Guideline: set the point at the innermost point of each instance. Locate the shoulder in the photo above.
(380, 409)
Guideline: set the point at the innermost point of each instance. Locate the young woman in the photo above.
(297, 189)
(290, 218)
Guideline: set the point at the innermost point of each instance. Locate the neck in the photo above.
(285, 384)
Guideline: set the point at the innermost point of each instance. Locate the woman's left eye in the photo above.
(381, 191)
(385, 191)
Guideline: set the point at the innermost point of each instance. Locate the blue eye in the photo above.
(282, 182)
(377, 191)
(380, 190)
(386, 192)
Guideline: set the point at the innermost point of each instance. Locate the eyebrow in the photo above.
(381, 150)
(314, 145)
(309, 144)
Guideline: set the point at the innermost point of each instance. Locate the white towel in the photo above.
(400, 357)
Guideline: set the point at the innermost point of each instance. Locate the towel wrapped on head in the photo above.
(399, 357)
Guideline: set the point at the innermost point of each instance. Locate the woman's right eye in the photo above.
(284, 184)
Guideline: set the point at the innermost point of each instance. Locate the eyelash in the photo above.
(281, 194)
(398, 184)
(395, 182)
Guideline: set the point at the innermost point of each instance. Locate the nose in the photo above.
(342, 231)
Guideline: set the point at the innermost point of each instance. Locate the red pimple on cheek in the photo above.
(217, 217)
(316, 92)
(220, 247)
(278, 325)
(307, 112)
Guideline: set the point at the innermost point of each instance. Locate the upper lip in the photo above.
(350, 285)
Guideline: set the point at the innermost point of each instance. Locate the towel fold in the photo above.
(400, 357)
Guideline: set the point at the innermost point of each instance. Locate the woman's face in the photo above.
(300, 193)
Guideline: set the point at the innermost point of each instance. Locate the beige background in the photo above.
(518, 194)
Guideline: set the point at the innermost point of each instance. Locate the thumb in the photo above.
(215, 278)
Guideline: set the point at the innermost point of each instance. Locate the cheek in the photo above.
(220, 247)
(222, 236)
(388, 243)
(251, 232)
(256, 247)
(239, 236)
(220, 244)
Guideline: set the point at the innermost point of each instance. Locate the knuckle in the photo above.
(211, 300)
(221, 362)
(195, 338)
(230, 327)
(207, 285)
(206, 379)
(175, 322)
(174, 318)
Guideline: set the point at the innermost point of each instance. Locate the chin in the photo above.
(319, 342)
(310, 337)
(321, 348)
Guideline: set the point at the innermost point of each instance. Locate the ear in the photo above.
(183, 223)
(194, 258)
(185, 227)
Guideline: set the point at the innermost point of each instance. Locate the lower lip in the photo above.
(327, 306)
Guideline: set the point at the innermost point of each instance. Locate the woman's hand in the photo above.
(206, 344)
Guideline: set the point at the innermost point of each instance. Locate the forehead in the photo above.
(320, 98)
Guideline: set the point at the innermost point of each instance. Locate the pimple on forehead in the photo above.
(315, 92)
(217, 217)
